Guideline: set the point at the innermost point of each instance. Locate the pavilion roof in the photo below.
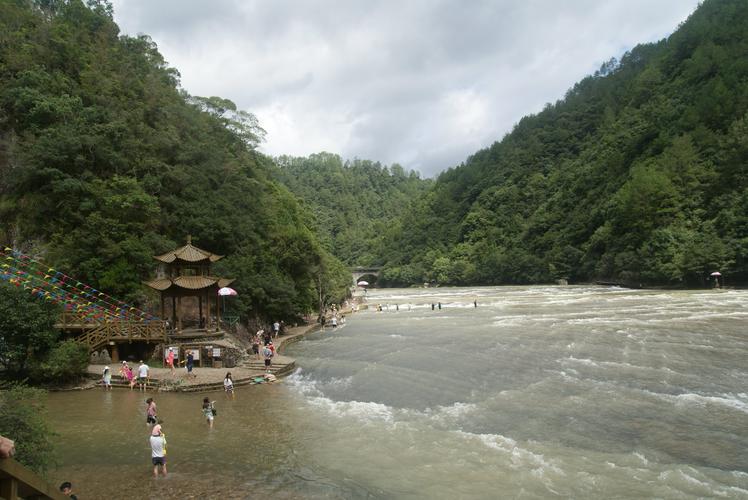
(188, 282)
(188, 253)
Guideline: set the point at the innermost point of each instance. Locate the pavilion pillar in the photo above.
(210, 310)
(173, 311)
(200, 311)
(179, 313)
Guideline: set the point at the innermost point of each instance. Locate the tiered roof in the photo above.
(188, 282)
(189, 254)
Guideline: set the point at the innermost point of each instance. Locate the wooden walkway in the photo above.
(96, 334)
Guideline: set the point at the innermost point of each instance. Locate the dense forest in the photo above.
(105, 161)
(353, 202)
(638, 175)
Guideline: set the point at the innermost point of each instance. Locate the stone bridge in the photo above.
(361, 272)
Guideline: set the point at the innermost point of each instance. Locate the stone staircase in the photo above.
(278, 367)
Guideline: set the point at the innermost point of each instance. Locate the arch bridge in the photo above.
(359, 272)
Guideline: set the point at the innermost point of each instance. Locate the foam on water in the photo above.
(551, 388)
(362, 411)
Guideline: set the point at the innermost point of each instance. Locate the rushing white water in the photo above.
(572, 391)
(538, 392)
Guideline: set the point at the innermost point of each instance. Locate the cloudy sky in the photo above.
(422, 83)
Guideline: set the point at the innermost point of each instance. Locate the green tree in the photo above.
(26, 329)
(22, 419)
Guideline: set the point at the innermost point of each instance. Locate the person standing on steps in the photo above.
(107, 378)
(143, 371)
(126, 373)
(256, 345)
(267, 353)
(276, 329)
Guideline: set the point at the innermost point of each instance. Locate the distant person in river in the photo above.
(150, 411)
(209, 411)
(107, 379)
(228, 385)
(432, 306)
(475, 303)
(440, 306)
(334, 322)
(158, 450)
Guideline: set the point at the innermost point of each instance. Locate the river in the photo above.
(538, 392)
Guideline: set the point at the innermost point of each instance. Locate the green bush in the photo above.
(66, 362)
(22, 419)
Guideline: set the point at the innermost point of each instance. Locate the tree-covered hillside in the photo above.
(105, 162)
(354, 202)
(638, 175)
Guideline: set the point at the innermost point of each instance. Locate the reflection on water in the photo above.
(581, 392)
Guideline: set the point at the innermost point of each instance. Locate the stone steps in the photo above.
(276, 369)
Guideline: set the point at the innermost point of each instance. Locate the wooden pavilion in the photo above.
(184, 274)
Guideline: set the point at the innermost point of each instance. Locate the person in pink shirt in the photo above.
(170, 360)
(126, 372)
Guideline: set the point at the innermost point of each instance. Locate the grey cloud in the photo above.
(387, 80)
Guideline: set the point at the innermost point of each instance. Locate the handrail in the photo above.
(96, 335)
(18, 481)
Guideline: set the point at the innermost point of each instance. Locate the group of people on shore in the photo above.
(268, 348)
(141, 380)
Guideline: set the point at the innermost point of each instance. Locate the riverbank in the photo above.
(204, 379)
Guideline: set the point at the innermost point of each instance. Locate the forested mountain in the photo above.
(637, 175)
(105, 162)
(353, 202)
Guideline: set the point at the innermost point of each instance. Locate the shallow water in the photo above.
(583, 392)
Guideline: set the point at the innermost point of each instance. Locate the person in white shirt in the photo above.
(158, 450)
(228, 385)
(143, 370)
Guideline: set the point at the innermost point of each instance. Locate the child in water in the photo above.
(209, 411)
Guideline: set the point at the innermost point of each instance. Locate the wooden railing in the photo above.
(97, 335)
(17, 481)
